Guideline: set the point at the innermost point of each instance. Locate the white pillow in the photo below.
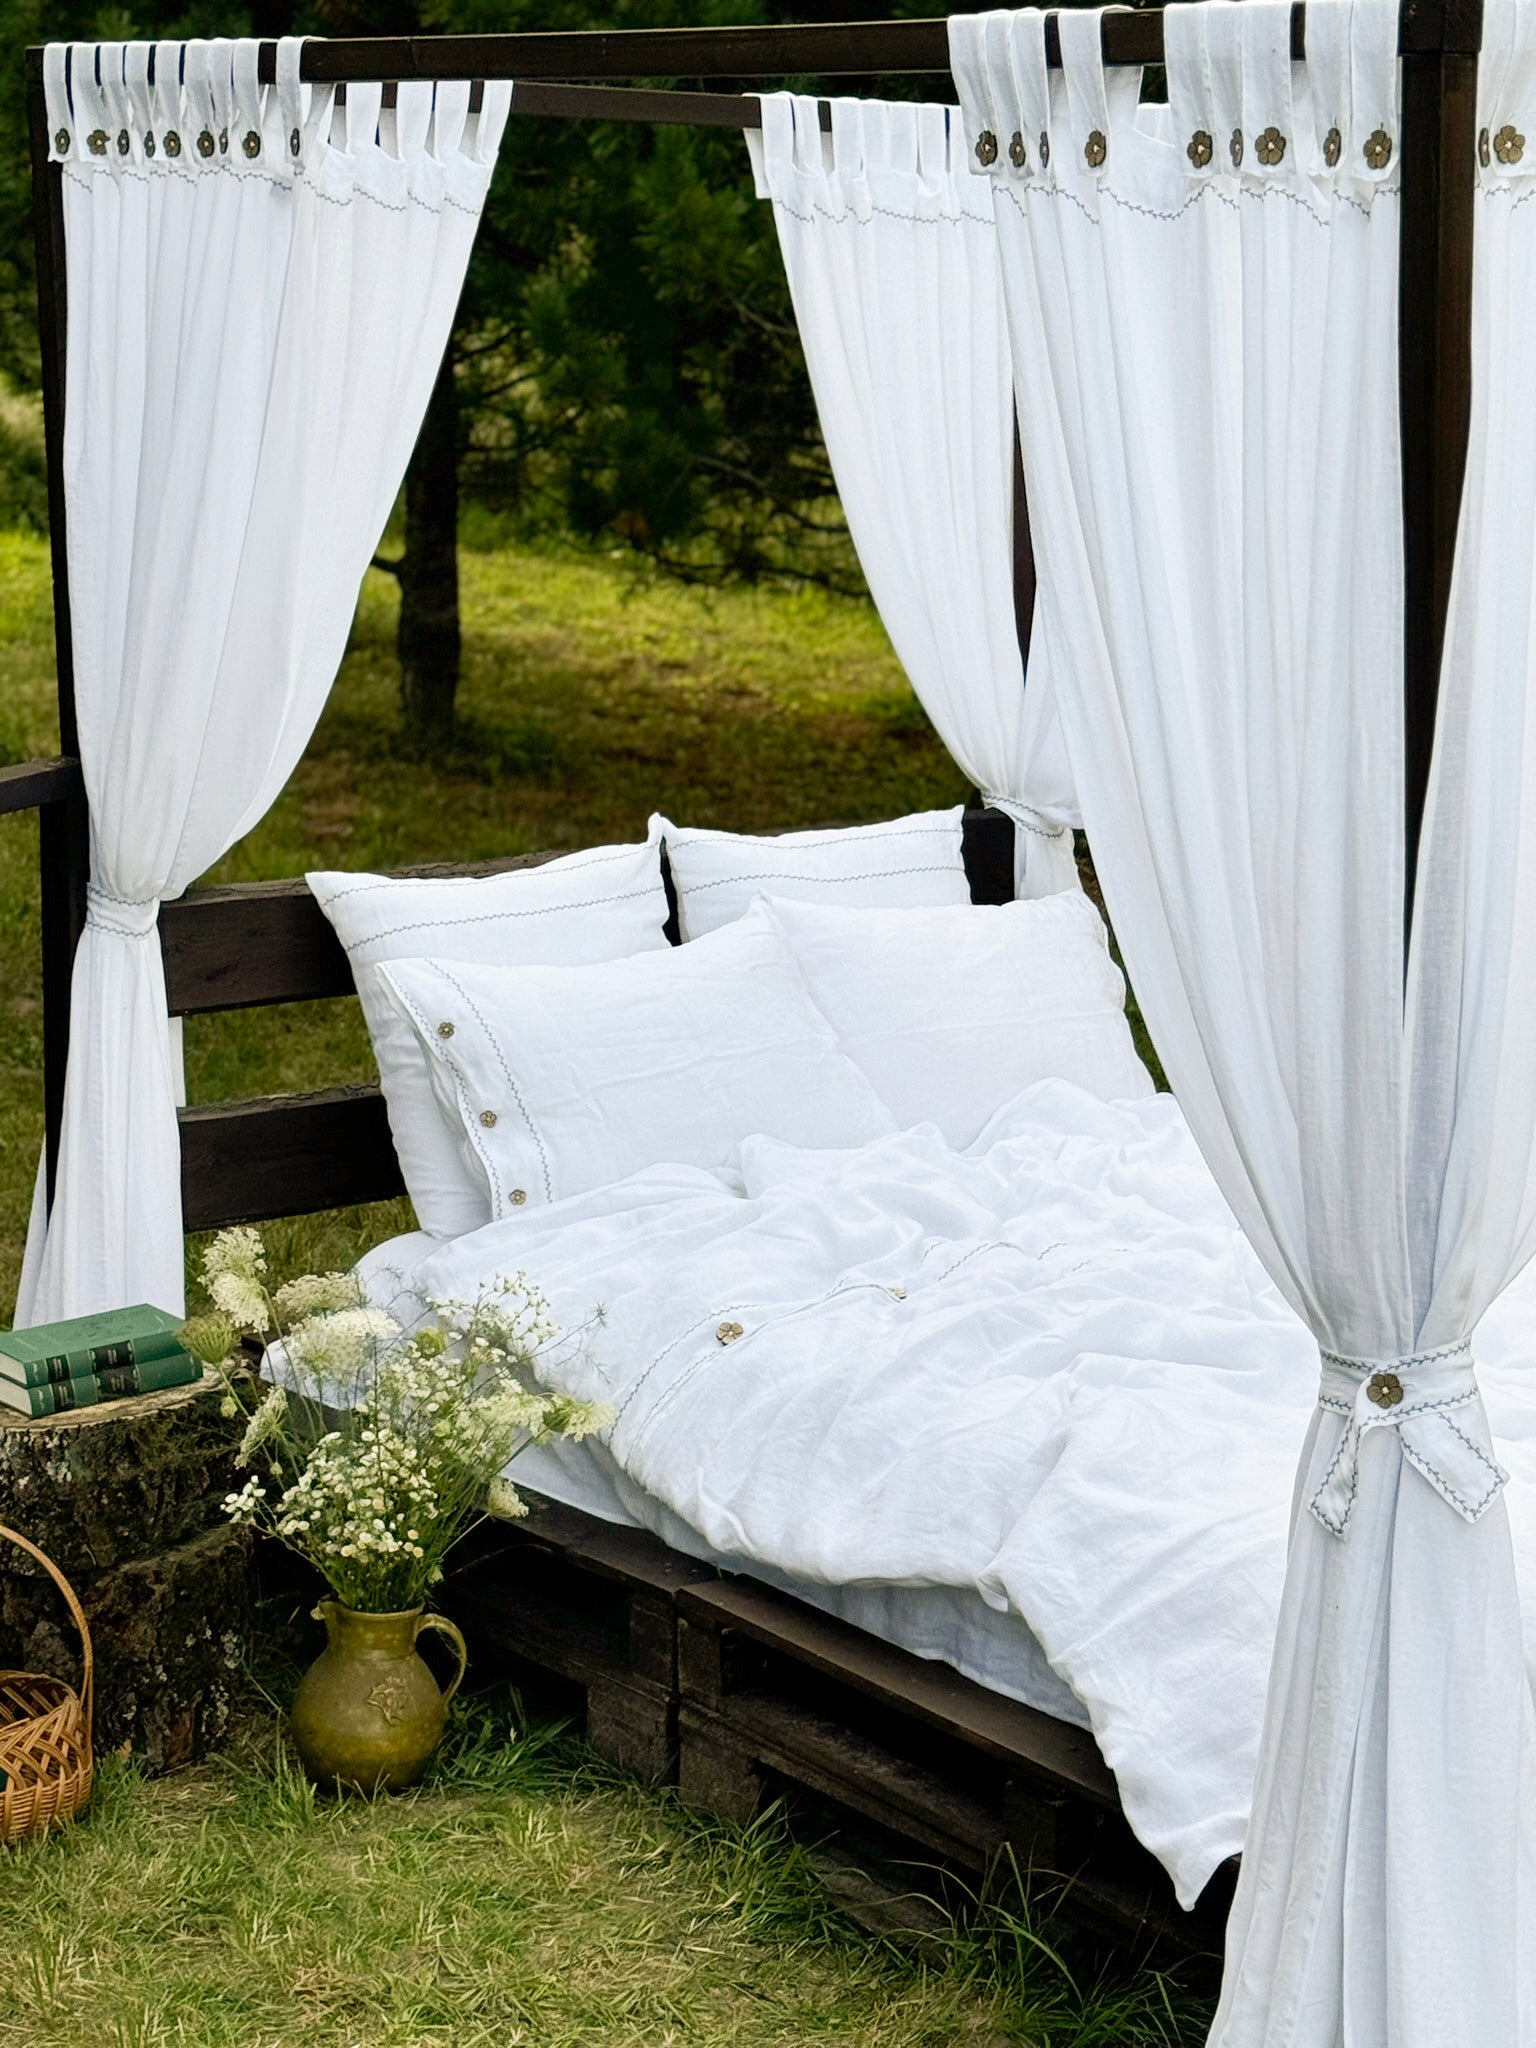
(601, 904)
(569, 1078)
(900, 862)
(951, 1012)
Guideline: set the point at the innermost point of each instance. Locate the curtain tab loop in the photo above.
(1431, 1400)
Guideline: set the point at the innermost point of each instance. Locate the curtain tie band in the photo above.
(1431, 1400)
(1026, 815)
(129, 917)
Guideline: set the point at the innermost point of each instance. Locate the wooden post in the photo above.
(1434, 340)
(63, 824)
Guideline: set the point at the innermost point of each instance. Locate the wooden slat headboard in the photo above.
(249, 944)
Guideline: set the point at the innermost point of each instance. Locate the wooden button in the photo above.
(727, 1333)
(252, 143)
(1270, 146)
(1201, 149)
(1235, 148)
(986, 147)
(1096, 148)
(1385, 1389)
(1378, 150)
(1509, 144)
(445, 1030)
(488, 1118)
(1333, 147)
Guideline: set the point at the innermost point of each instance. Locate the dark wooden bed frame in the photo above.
(736, 1691)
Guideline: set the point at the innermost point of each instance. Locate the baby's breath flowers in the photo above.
(377, 1450)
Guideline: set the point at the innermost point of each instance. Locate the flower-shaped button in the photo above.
(986, 147)
(61, 140)
(1269, 147)
(445, 1029)
(252, 143)
(1045, 151)
(1096, 148)
(149, 145)
(1378, 149)
(1509, 144)
(488, 1118)
(727, 1333)
(1016, 155)
(293, 143)
(205, 143)
(96, 142)
(1235, 146)
(517, 1197)
(122, 141)
(1385, 1389)
(1333, 148)
(1201, 149)
(172, 142)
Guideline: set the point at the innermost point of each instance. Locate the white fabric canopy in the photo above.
(1203, 307)
(261, 287)
(891, 255)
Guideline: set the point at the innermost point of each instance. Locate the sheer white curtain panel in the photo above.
(261, 285)
(1202, 299)
(891, 254)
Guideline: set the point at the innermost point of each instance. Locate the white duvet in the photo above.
(1048, 1370)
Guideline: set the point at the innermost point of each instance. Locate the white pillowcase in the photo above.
(951, 1012)
(600, 904)
(901, 861)
(569, 1078)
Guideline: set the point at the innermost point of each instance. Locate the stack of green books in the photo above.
(58, 1366)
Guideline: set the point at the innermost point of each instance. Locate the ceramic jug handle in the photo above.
(445, 1627)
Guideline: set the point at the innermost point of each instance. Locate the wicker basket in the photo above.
(45, 1732)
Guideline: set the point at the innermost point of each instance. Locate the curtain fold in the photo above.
(261, 286)
(1202, 300)
(890, 251)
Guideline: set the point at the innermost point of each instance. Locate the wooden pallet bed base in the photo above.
(739, 1695)
(591, 1605)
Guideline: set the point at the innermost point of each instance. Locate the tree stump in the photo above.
(127, 1500)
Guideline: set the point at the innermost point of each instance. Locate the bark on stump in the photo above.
(127, 1501)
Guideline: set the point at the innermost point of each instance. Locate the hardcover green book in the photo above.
(86, 1344)
(57, 1397)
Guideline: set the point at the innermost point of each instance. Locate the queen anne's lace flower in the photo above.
(240, 1298)
(314, 1294)
(504, 1501)
(264, 1424)
(238, 1251)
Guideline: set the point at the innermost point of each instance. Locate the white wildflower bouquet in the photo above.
(378, 1450)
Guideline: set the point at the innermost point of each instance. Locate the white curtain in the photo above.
(261, 285)
(891, 255)
(1202, 300)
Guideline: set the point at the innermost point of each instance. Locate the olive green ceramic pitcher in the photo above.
(368, 1713)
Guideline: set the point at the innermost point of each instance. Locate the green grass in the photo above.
(524, 1898)
(592, 695)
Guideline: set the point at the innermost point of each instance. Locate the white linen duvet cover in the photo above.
(1047, 1372)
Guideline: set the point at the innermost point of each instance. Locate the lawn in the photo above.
(525, 1896)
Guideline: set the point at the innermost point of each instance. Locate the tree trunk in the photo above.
(428, 639)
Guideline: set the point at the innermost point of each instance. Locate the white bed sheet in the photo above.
(1046, 1378)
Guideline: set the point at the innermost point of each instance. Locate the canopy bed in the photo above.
(1274, 452)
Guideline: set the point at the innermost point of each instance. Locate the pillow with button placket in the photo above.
(566, 1079)
(600, 904)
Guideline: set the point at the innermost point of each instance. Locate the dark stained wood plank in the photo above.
(29, 785)
(238, 945)
(929, 1692)
(285, 1155)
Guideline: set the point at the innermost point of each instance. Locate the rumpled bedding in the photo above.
(1048, 1371)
